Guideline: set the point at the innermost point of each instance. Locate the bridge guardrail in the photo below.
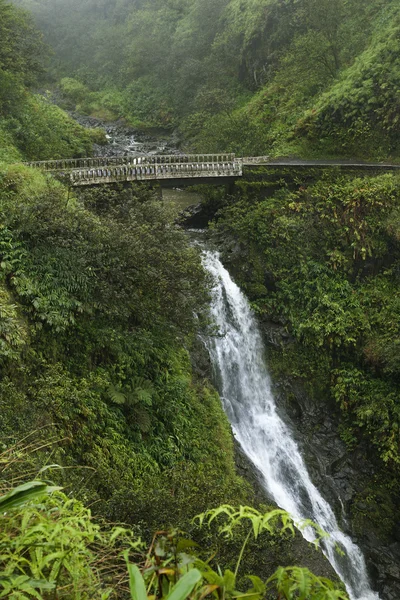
(255, 160)
(154, 172)
(114, 161)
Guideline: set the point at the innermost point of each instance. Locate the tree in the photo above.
(21, 47)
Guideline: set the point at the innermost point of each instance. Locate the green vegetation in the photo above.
(51, 547)
(36, 129)
(312, 78)
(31, 127)
(97, 306)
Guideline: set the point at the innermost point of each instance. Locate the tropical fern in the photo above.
(135, 398)
(13, 330)
(296, 583)
(273, 521)
(116, 395)
(138, 390)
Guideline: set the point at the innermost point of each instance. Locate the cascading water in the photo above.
(237, 355)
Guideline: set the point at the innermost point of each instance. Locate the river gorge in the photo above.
(272, 443)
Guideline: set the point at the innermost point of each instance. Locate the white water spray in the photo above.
(237, 356)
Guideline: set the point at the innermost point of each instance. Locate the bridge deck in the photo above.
(100, 170)
(94, 171)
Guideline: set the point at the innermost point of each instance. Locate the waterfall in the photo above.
(237, 354)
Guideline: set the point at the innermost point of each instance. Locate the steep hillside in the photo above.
(30, 126)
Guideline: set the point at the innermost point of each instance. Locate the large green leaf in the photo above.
(185, 585)
(32, 490)
(136, 582)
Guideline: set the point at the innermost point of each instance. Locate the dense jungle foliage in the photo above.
(30, 126)
(312, 78)
(58, 550)
(97, 313)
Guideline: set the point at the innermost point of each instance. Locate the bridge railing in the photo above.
(255, 160)
(155, 171)
(74, 163)
(114, 161)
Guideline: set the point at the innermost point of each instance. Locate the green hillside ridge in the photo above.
(30, 126)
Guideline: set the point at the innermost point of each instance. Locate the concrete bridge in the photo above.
(97, 171)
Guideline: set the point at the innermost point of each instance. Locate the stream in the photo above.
(237, 356)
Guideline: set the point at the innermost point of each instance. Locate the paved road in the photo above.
(295, 162)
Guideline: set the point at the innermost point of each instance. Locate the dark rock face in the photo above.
(193, 217)
(339, 474)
